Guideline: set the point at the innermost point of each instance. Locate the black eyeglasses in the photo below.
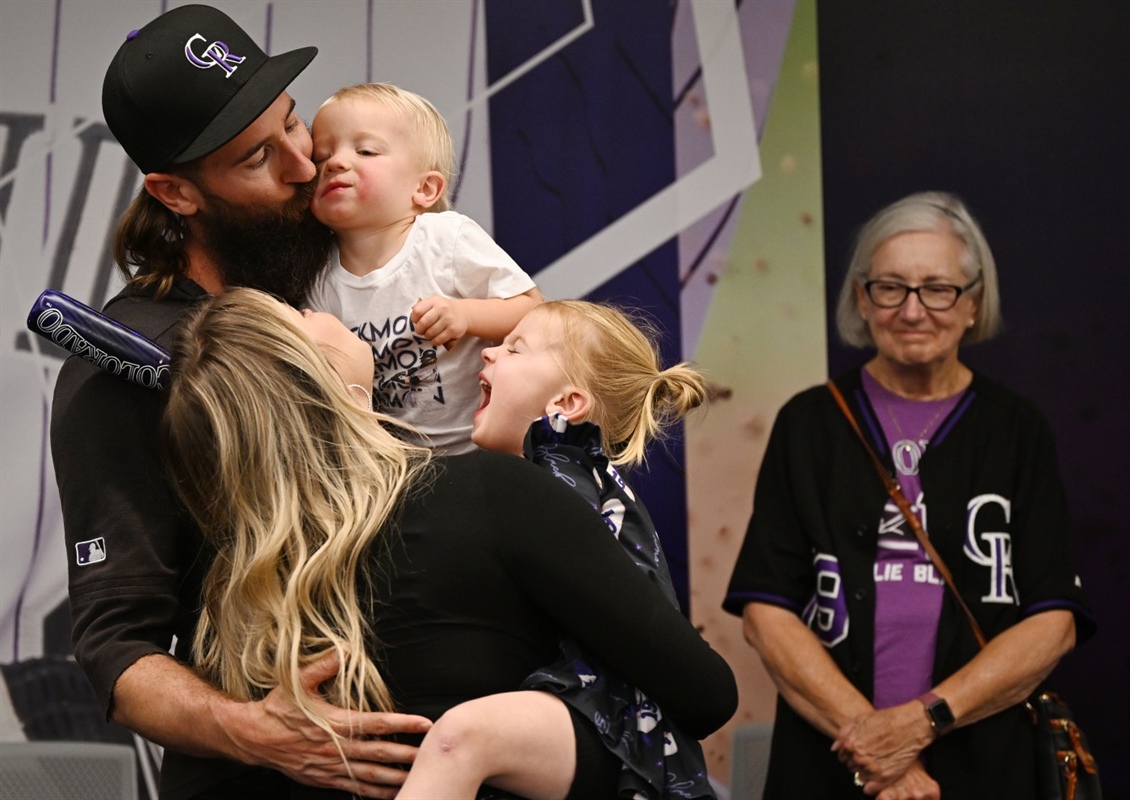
(934, 296)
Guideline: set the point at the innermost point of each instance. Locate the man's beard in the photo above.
(279, 250)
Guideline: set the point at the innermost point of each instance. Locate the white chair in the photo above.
(749, 761)
(54, 770)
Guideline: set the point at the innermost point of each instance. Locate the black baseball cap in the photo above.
(188, 83)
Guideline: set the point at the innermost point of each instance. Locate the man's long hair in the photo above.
(149, 245)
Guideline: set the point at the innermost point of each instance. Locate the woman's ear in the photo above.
(429, 190)
(575, 404)
(176, 193)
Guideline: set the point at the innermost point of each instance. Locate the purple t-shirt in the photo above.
(908, 589)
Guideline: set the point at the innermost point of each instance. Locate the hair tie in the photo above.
(364, 391)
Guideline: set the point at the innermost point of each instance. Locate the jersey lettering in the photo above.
(826, 613)
(992, 549)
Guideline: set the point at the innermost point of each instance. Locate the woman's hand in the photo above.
(883, 745)
(915, 784)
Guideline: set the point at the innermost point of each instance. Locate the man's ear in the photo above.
(429, 190)
(175, 192)
(574, 403)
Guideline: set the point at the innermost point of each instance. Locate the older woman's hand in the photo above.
(915, 784)
(883, 745)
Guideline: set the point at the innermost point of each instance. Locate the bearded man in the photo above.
(205, 115)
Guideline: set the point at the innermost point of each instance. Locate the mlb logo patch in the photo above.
(91, 552)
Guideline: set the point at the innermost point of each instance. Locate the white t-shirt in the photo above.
(432, 388)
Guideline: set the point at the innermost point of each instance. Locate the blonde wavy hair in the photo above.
(293, 484)
(432, 134)
(612, 354)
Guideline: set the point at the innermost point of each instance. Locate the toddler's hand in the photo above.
(440, 320)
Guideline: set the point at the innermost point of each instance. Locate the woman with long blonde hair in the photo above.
(292, 482)
(436, 580)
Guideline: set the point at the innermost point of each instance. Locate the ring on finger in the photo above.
(858, 780)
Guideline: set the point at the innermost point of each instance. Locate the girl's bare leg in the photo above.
(521, 742)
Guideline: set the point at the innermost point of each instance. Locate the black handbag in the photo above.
(1065, 768)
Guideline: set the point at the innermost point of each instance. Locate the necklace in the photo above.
(906, 453)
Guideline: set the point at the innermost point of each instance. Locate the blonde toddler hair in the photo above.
(433, 135)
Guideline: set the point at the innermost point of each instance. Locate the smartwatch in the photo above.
(938, 712)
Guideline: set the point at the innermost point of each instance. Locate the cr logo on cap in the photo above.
(214, 55)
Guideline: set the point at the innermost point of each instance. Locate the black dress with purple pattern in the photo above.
(659, 761)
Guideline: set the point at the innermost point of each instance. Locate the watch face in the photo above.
(941, 715)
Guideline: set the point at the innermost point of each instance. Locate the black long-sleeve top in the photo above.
(493, 564)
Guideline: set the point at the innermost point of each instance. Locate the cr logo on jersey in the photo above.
(214, 55)
(997, 551)
(826, 613)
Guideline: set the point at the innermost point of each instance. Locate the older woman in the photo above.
(883, 687)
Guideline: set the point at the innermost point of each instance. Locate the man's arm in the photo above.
(126, 603)
(444, 320)
(195, 718)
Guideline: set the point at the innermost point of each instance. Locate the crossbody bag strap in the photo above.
(896, 494)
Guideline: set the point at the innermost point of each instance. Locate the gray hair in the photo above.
(926, 211)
